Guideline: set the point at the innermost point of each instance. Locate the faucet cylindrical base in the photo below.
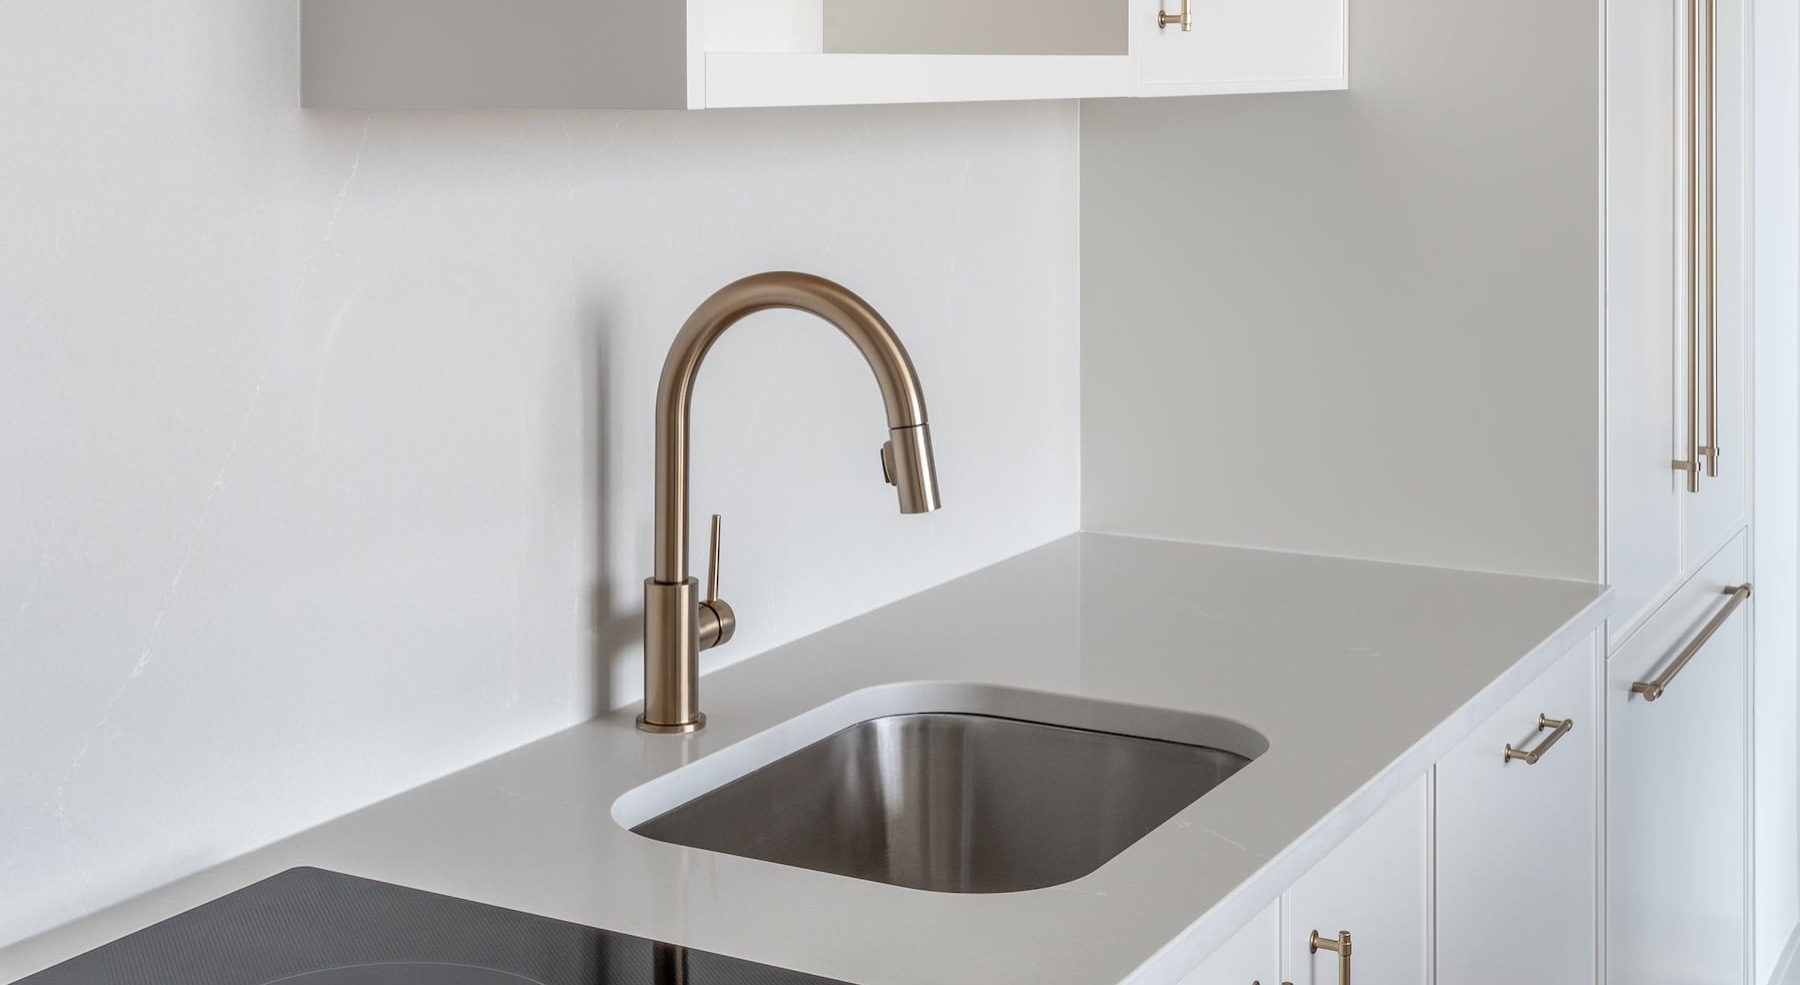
(645, 725)
(671, 657)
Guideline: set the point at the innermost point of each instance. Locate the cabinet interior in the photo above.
(917, 27)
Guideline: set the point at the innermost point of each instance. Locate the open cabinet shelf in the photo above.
(632, 54)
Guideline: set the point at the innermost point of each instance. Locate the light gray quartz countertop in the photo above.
(1359, 674)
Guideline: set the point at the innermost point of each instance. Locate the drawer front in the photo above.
(1677, 788)
(1518, 837)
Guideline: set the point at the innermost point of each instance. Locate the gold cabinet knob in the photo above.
(1185, 18)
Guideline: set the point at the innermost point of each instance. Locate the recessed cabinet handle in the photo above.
(1341, 944)
(1651, 690)
(1558, 730)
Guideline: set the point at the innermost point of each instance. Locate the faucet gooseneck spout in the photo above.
(678, 624)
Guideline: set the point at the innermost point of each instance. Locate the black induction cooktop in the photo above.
(312, 927)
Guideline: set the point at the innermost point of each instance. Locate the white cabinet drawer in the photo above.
(1518, 841)
(1677, 789)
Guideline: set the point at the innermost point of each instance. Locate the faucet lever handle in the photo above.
(712, 567)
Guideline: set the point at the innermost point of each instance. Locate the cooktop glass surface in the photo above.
(313, 927)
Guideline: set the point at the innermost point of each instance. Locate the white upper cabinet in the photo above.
(628, 54)
(1239, 46)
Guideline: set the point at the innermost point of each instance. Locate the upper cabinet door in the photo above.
(1239, 46)
(1645, 244)
(1373, 886)
(1677, 794)
(1721, 508)
(1518, 838)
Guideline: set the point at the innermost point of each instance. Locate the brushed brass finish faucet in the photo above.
(678, 624)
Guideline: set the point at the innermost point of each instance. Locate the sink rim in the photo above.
(664, 793)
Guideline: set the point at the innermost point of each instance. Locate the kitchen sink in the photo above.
(954, 802)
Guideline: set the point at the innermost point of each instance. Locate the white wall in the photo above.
(1288, 299)
(1777, 367)
(325, 465)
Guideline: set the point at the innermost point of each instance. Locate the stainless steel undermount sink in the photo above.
(953, 802)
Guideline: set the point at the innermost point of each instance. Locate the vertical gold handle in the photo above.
(1341, 945)
(1185, 18)
(1691, 463)
(1710, 154)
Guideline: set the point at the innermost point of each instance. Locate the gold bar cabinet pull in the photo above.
(1558, 730)
(1341, 945)
(1710, 152)
(1692, 464)
(1651, 690)
(1185, 18)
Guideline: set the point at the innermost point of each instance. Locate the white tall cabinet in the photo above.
(1678, 469)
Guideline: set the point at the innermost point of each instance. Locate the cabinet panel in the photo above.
(1518, 842)
(1721, 507)
(1252, 955)
(1374, 886)
(1677, 793)
(1646, 390)
(1239, 45)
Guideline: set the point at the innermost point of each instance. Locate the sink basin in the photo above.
(953, 802)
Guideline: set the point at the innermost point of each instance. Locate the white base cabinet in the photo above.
(1372, 887)
(1518, 838)
(1252, 955)
(1513, 894)
(1677, 788)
